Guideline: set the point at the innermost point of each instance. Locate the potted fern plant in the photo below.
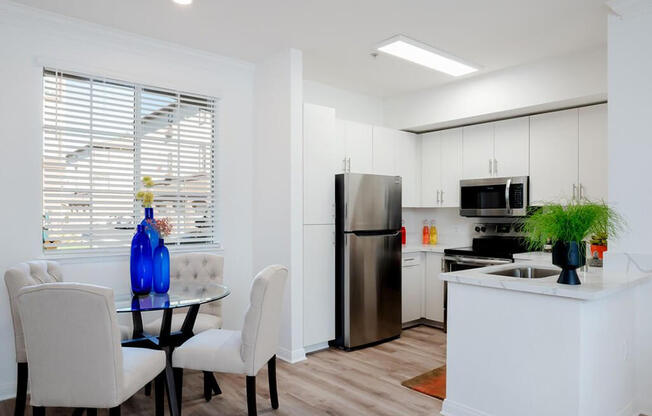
(567, 227)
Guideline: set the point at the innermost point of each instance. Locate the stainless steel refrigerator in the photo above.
(368, 259)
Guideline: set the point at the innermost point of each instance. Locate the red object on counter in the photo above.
(403, 235)
(599, 249)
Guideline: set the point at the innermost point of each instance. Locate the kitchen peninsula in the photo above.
(530, 346)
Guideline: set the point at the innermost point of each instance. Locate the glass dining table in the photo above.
(189, 295)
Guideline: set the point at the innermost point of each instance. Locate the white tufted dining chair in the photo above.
(29, 274)
(17, 277)
(241, 352)
(76, 361)
(194, 267)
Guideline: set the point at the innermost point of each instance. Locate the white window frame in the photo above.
(122, 248)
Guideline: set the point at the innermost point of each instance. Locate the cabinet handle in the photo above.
(574, 192)
(437, 195)
(348, 169)
(581, 191)
(344, 164)
(442, 196)
(495, 167)
(490, 167)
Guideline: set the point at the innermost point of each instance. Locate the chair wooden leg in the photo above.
(91, 412)
(210, 386)
(271, 375)
(178, 386)
(148, 389)
(216, 387)
(114, 411)
(251, 395)
(208, 391)
(21, 389)
(159, 394)
(38, 411)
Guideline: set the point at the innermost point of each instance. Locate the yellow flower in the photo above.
(148, 198)
(140, 195)
(148, 182)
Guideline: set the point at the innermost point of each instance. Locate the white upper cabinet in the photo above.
(408, 166)
(320, 164)
(451, 167)
(355, 146)
(593, 152)
(441, 168)
(512, 147)
(385, 144)
(430, 169)
(496, 149)
(553, 156)
(478, 151)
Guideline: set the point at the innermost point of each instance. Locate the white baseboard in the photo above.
(7, 391)
(451, 408)
(291, 356)
(316, 347)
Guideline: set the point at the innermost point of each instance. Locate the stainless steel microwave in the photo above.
(494, 197)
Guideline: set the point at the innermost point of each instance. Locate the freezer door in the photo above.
(372, 288)
(371, 202)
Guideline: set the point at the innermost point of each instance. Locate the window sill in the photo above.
(90, 256)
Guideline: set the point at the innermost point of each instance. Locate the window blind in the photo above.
(100, 137)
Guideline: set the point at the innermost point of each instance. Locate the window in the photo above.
(100, 137)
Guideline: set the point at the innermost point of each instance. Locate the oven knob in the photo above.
(483, 229)
(477, 229)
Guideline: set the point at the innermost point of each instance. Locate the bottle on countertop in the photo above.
(433, 233)
(403, 232)
(425, 233)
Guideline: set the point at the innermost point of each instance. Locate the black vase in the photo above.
(569, 255)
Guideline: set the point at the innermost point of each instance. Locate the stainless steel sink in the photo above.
(525, 272)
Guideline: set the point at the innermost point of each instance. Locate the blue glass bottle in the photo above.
(161, 268)
(141, 263)
(149, 228)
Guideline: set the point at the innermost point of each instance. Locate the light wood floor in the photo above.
(330, 382)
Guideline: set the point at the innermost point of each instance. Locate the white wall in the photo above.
(630, 170)
(30, 38)
(348, 105)
(574, 79)
(278, 185)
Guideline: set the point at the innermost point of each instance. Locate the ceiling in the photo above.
(337, 36)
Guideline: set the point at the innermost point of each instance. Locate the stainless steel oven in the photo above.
(494, 197)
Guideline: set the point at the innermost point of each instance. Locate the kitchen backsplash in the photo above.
(451, 227)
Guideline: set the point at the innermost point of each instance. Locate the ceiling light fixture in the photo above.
(422, 54)
(183, 2)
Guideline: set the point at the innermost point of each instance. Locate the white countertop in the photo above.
(536, 256)
(424, 248)
(596, 283)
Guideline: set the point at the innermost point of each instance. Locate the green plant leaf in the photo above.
(573, 222)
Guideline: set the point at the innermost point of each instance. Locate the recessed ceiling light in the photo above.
(183, 2)
(422, 54)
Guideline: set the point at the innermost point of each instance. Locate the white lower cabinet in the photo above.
(318, 284)
(422, 291)
(434, 288)
(412, 287)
